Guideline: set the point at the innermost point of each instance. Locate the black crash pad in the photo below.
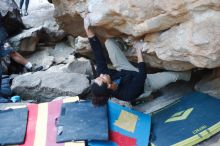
(82, 121)
(194, 118)
(13, 124)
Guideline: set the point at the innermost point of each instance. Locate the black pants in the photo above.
(26, 4)
(3, 34)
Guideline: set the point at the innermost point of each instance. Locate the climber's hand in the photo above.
(89, 32)
(139, 47)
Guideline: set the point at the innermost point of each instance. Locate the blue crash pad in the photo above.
(82, 121)
(4, 100)
(127, 127)
(194, 118)
(13, 126)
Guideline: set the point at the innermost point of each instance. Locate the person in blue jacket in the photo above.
(5, 89)
(126, 82)
(7, 52)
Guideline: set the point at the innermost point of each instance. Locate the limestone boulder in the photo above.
(46, 86)
(41, 15)
(67, 14)
(82, 46)
(178, 35)
(7, 6)
(131, 17)
(194, 41)
(27, 40)
(40, 27)
(134, 18)
(81, 65)
(42, 58)
(61, 52)
(174, 65)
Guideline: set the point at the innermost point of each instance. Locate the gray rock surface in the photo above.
(43, 58)
(180, 35)
(61, 52)
(82, 45)
(41, 26)
(82, 66)
(213, 141)
(27, 40)
(46, 86)
(42, 15)
(7, 6)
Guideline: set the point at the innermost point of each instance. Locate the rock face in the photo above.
(195, 41)
(45, 86)
(42, 16)
(40, 27)
(27, 40)
(82, 46)
(178, 35)
(80, 65)
(61, 52)
(7, 6)
(210, 84)
(43, 58)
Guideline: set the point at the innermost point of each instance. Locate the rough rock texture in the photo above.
(82, 45)
(7, 6)
(61, 52)
(195, 41)
(42, 15)
(210, 84)
(49, 56)
(41, 27)
(80, 65)
(43, 58)
(178, 35)
(27, 40)
(45, 86)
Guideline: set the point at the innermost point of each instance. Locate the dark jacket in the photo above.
(3, 33)
(132, 83)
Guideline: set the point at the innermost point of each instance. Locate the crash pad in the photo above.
(4, 100)
(194, 118)
(13, 124)
(126, 127)
(82, 121)
(41, 127)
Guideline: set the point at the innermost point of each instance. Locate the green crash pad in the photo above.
(194, 118)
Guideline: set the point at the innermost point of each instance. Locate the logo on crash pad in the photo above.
(127, 121)
(179, 116)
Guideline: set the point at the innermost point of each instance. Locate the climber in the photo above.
(126, 82)
(6, 51)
